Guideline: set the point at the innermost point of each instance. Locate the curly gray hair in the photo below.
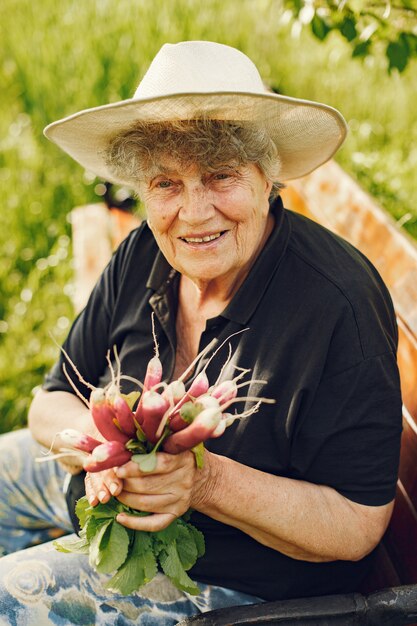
(208, 143)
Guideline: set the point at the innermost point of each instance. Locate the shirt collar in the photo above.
(250, 293)
(247, 298)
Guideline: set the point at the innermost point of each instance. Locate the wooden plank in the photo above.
(91, 248)
(407, 362)
(96, 233)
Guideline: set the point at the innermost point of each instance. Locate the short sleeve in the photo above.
(85, 348)
(349, 438)
(88, 341)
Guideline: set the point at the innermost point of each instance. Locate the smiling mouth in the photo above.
(202, 239)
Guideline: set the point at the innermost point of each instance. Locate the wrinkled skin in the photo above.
(168, 492)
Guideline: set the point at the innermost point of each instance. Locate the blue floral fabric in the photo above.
(40, 586)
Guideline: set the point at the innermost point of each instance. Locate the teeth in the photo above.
(201, 239)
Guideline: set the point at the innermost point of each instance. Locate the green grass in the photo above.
(57, 58)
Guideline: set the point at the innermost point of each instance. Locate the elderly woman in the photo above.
(294, 499)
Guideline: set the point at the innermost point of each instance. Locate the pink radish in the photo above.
(220, 428)
(153, 374)
(200, 430)
(154, 407)
(174, 392)
(124, 416)
(107, 455)
(199, 386)
(182, 418)
(224, 391)
(153, 378)
(104, 417)
(206, 401)
(80, 441)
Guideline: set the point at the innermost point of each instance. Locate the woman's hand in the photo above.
(167, 492)
(100, 486)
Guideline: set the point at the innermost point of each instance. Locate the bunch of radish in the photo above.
(163, 416)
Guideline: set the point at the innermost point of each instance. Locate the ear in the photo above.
(268, 187)
(267, 193)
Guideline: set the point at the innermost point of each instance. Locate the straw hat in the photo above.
(194, 78)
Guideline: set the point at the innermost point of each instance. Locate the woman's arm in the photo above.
(53, 411)
(302, 520)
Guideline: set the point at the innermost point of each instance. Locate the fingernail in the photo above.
(113, 488)
(120, 472)
(101, 495)
(91, 500)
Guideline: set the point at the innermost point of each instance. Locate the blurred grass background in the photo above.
(58, 58)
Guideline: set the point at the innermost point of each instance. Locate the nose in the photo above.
(197, 204)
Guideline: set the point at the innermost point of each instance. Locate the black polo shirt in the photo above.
(320, 330)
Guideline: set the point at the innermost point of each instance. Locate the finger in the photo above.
(89, 491)
(149, 523)
(165, 503)
(101, 486)
(159, 483)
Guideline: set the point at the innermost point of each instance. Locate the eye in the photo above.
(164, 184)
(221, 176)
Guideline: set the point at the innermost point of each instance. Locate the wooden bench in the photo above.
(332, 198)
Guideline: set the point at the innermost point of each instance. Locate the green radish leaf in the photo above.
(172, 567)
(199, 455)
(146, 462)
(139, 568)
(135, 446)
(140, 435)
(131, 398)
(93, 526)
(168, 534)
(112, 548)
(106, 511)
(198, 540)
(82, 509)
(187, 550)
(95, 542)
(72, 543)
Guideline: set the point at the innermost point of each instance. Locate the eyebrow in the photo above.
(162, 170)
(158, 170)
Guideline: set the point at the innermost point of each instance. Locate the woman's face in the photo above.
(210, 225)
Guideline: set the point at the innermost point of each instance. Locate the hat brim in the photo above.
(306, 133)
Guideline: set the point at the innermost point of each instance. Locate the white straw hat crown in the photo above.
(225, 69)
(202, 78)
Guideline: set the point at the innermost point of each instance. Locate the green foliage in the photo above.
(134, 555)
(139, 568)
(60, 57)
(367, 26)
